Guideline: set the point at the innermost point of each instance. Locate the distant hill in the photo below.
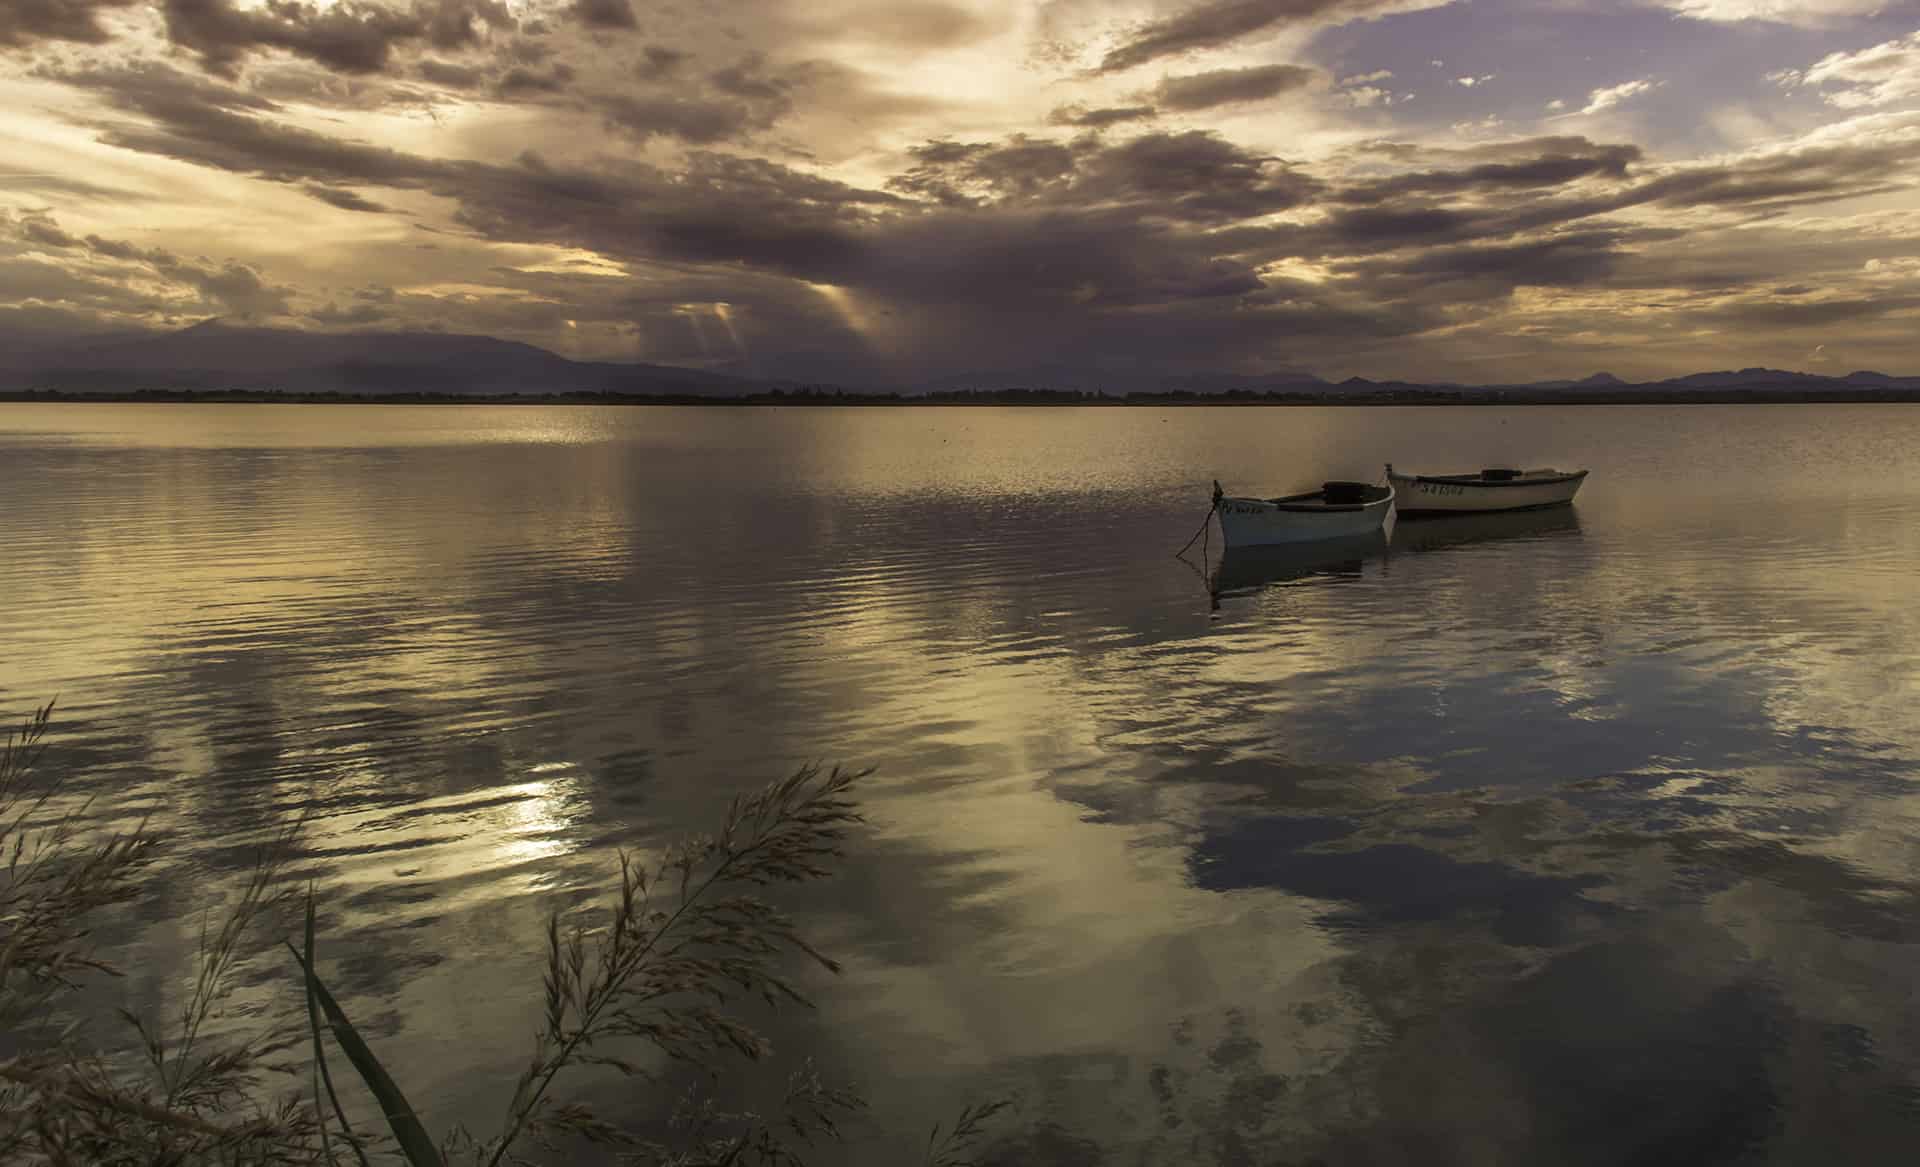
(1757, 378)
(1597, 381)
(217, 356)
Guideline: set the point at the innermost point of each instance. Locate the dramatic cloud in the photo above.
(1100, 119)
(1560, 161)
(1221, 22)
(1882, 75)
(349, 36)
(1810, 13)
(916, 192)
(93, 273)
(659, 61)
(1231, 86)
(1191, 177)
(1612, 95)
(605, 13)
(25, 21)
(346, 200)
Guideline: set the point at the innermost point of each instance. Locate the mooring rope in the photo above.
(1206, 526)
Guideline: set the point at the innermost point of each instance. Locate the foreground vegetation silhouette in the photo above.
(661, 968)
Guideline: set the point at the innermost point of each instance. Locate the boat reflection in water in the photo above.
(1441, 531)
(1243, 570)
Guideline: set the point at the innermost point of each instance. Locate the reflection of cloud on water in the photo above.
(1388, 883)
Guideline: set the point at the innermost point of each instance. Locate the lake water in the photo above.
(1587, 836)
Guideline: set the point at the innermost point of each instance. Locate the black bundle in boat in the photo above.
(1344, 493)
(1499, 475)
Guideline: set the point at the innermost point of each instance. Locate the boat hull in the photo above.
(1259, 522)
(1420, 495)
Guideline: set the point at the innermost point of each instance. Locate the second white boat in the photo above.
(1337, 509)
(1489, 490)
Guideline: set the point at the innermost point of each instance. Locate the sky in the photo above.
(922, 192)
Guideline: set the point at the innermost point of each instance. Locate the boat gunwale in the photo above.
(1297, 504)
(1476, 480)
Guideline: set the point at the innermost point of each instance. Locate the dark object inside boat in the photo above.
(1499, 475)
(1344, 493)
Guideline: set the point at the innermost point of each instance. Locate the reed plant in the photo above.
(651, 981)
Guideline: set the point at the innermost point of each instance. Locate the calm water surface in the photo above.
(1587, 836)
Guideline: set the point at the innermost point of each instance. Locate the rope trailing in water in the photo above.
(1206, 526)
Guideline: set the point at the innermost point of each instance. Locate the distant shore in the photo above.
(1381, 395)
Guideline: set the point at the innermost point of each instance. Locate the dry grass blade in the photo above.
(215, 1080)
(322, 1075)
(48, 884)
(684, 938)
(408, 1131)
(954, 1150)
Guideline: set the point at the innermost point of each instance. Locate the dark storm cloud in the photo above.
(659, 61)
(120, 249)
(718, 208)
(80, 278)
(729, 103)
(1196, 176)
(1219, 22)
(38, 281)
(1548, 169)
(346, 200)
(450, 75)
(1100, 119)
(157, 90)
(520, 80)
(607, 14)
(698, 121)
(1504, 150)
(1824, 313)
(1521, 195)
(246, 145)
(349, 37)
(1567, 260)
(1231, 86)
(966, 173)
(1030, 257)
(24, 21)
(1107, 242)
(239, 289)
(1810, 175)
(750, 78)
(353, 315)
(1193, 176)
(46, 233)
(1051, 243)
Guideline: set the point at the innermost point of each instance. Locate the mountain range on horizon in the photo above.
(215, 356)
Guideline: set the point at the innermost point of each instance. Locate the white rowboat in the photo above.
(1337, 509)
(1489, 490)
